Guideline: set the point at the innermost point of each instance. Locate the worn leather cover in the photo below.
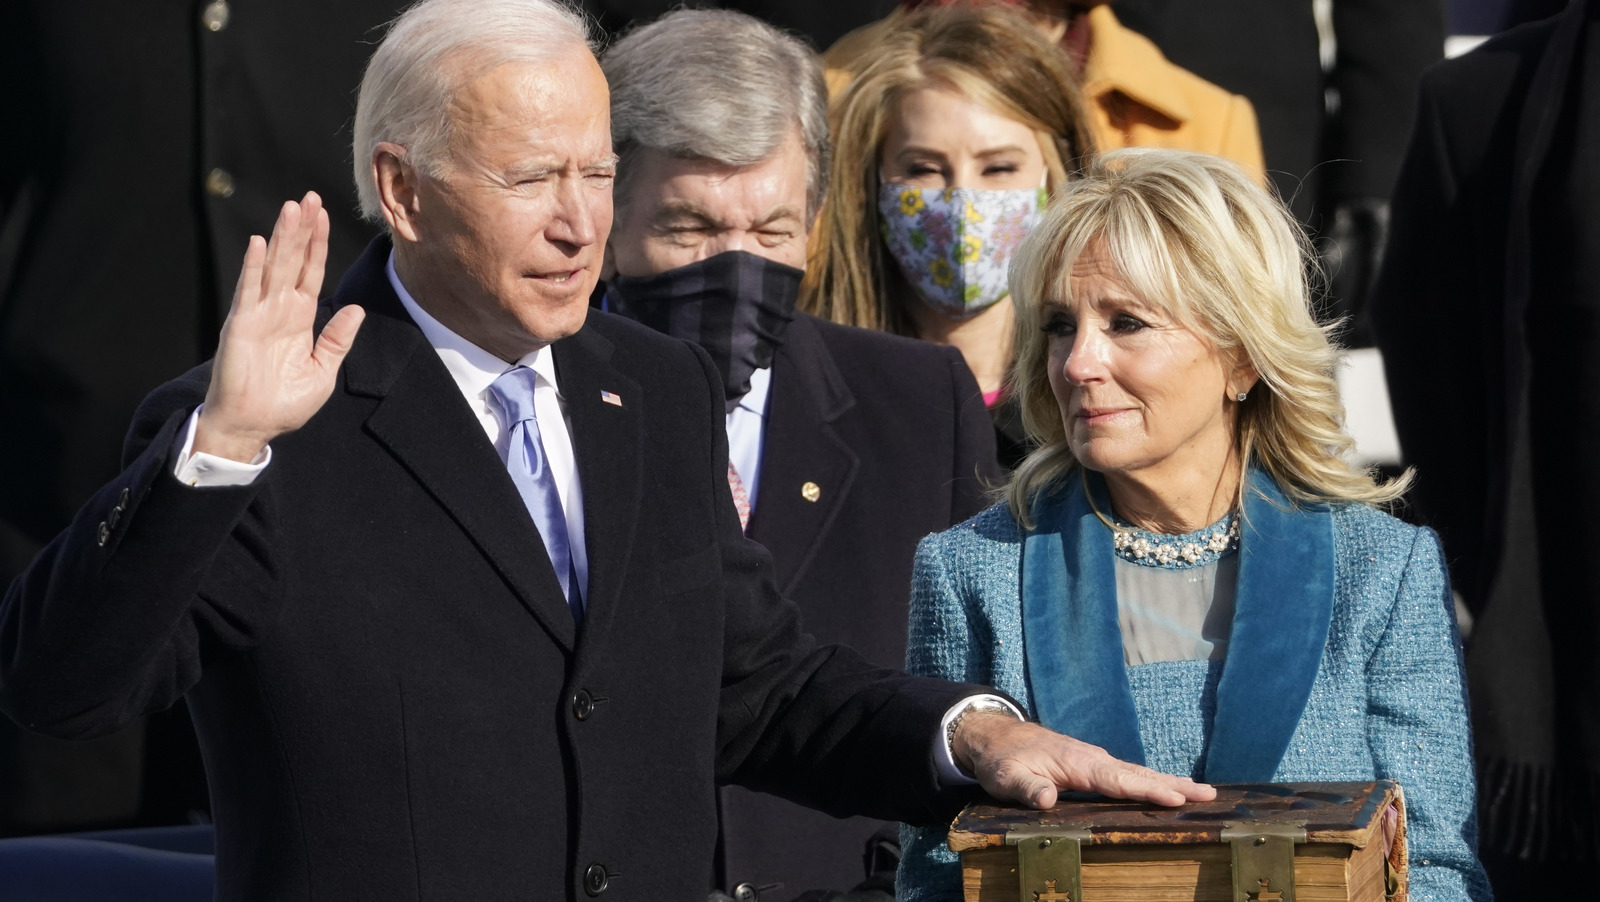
(1348, 813)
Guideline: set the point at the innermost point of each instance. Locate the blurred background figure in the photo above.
(1334, 125)
(1134, 96)
(147, 142)
(1488, 313)
(1473, 21)
(847, 446)
(957, 124)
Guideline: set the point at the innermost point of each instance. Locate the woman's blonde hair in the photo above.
(1194, 236)
(991, 55)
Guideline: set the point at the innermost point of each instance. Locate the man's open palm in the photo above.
(272, 371)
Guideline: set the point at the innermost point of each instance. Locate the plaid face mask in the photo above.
(954, 244)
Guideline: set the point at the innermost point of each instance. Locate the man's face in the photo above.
(509, 239)
(683, 211)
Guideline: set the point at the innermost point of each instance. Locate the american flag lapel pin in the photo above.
(611, 398)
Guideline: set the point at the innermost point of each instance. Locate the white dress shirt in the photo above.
(746, 424)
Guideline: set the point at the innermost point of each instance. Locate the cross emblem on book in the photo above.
(1050, 894)
(1264, 894)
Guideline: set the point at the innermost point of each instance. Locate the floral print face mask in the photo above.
(954, 244)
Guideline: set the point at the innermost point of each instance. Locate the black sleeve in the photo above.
(110, 621)
(1382, 48)
(814, 724)
(1428, 318)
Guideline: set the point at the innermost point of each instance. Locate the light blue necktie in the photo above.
(530, 470)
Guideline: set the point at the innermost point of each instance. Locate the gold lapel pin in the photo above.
(811, 491)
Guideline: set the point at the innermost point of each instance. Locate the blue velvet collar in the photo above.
(1073, 644)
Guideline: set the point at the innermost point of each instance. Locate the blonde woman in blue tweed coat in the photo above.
(1186, 572)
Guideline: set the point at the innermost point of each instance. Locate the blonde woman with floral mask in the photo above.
(958, 125)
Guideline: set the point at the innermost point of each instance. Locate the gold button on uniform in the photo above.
(811, 491)
(219, 183)
(215, 16)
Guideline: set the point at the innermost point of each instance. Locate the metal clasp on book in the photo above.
(1049, 862)
(1263, 859)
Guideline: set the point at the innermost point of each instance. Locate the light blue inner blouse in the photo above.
(1174, 606)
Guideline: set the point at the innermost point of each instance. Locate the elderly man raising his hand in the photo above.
(460, 600)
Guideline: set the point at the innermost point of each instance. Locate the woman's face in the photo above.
(1141, 396)
(938, 138)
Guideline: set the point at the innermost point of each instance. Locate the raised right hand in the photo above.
(272, 372)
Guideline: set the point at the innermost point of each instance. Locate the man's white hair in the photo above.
(431, 52)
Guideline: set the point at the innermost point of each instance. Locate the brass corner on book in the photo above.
(1049, 862)
(1263, 859)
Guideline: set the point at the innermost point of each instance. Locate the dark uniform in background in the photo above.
(148, 142)
(1333, 140)
(1488, 313)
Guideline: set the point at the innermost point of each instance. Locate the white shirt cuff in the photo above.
(944, 757)
(202, 470)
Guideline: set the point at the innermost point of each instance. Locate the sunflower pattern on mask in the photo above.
(954, 245)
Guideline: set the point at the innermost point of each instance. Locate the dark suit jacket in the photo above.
(391, 696)
(893, 433)
(1488, 314)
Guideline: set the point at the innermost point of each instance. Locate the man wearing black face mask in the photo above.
(846, 446)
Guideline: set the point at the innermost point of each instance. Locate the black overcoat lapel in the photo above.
(807, 467)
(422, 421)
(604, 407)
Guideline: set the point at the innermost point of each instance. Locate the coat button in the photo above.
(219, 183)
(215, 16)
(746, 892)
(582, 704)
(122, 501)
(104, 533)
(113, 517)
(595, 879)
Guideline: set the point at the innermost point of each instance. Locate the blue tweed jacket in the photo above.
(1343, 663)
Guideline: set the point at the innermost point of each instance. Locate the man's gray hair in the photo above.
(717, 85)
(431, 52)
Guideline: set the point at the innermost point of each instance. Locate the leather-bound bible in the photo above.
(1279, 842)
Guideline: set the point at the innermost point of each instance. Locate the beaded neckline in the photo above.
(1195, 549)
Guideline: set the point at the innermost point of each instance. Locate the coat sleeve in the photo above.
(109, 621)
(1418, 733)
(939, 644)
(1382, 47)
(1434, 308)
(814, 724)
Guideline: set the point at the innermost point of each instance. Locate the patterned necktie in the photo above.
(741, 497)
(530, 471)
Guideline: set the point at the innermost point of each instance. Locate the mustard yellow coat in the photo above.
(1135, 96)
